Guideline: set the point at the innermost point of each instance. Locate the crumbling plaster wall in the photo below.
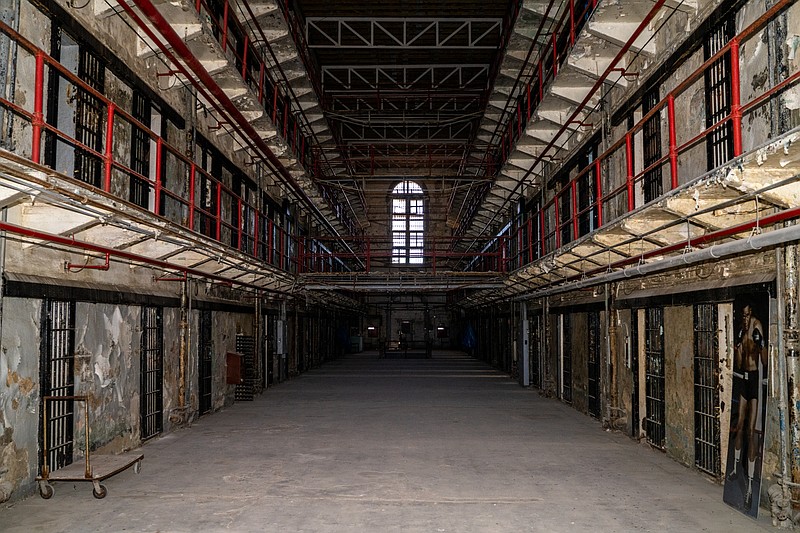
(107, 370)
(19, 396)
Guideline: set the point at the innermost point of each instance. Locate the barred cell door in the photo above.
(594, 364)
(205, 361)
(566, 358)
(152, 374)
(58, 380)
(535, 339)
(719, 142)
(706, 389)
(651, 146)
(654, 376)
(89, 119)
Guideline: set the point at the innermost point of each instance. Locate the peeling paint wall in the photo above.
(107, 370)
(19, 397)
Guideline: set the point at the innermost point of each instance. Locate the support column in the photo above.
(791, 379)
(525, 358)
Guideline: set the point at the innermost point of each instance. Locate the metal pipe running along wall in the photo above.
(713, 253)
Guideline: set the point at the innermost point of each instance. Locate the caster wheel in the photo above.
(137, 467)
(46, 490)
(99, 492)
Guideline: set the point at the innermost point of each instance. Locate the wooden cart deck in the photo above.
(102, 468)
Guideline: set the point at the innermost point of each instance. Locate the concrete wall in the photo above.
(679, 382)
(19, 396)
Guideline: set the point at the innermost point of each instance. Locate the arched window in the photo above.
(408, 223)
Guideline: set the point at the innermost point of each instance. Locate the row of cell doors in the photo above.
(649, 391)
(57, 378)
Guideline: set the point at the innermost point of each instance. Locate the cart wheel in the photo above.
(99, 492)
(46, 490)
(137, 466)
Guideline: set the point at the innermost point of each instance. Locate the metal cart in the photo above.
(95, 469)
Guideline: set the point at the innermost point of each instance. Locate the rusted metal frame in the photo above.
(574, 199)
(517, 80)
(598, 191)
(601, 79)
(128, 256)
(220, 101)
(112, 112)
(629, 171)
(557, 25)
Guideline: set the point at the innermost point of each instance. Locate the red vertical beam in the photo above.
(244, 58)
(159, 155)
(673, 142)
(555, 54)
(255, 233)
(261, 83)
(108, 155)
(219, 211)
(530, 240)
(282, 253)
(285, 118)
(541, 81)
(270, 250)
(38, 106)
(529, 101)
(573, 189)
(542, 247)
(192, 186)
(275, 104)
(225, 10)
(301, 255)
(629, 165)
(736, 104)
(558, 221)
(240, 225)
(571, 22)
(598, 191)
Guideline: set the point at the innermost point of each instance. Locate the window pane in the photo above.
(416, 207)
(398, 205)
(398, 223)
(416, 224)
(399, 240)
(415, 239)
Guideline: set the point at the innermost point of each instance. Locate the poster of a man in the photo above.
(748, 403)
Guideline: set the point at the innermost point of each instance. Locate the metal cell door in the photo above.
(152, 391)
(706, 389)
(654, 376)
(58, 379)
(535, 339)
(566, 358)
(594, 364)
(205, 361)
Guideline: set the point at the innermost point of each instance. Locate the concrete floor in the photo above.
(362, 444)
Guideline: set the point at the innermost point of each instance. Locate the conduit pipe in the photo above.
(712, 253)
(205, 82)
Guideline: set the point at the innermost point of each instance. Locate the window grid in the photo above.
(408, 224)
